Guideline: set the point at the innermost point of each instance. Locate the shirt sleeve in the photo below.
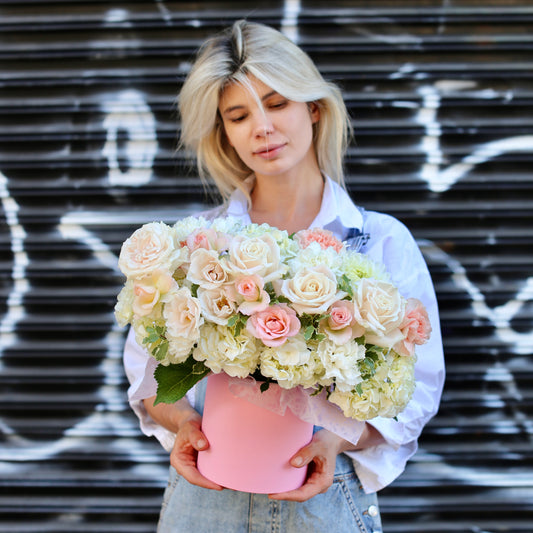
(139, 367)
(392, 244)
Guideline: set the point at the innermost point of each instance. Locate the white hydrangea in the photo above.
(184, 227)
(291, 364)
(221, 351)
(230, 225)
(340, 363)
(124, 305)
(313, 256)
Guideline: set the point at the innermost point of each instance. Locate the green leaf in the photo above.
(160, 352)
(153, 337)
(264, 386)
(359, 389)
(173, 381)
(308, 333)
(233, 320)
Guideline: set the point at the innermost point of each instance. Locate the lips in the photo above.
(270, 151)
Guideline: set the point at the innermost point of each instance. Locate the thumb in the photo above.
(304, 456)
(198, 440)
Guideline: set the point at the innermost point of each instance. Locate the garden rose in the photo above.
(182, 314)
(249, 292)
(312, 290)
(208, 239)
(274, 325)
(341, 326)
(379, 308)
(206, 270)
(150, 248)
(217, 304)
(415, 327)
(255, 255)
(148, 291)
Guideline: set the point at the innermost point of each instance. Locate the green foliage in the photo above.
(310, 325)
(237, 323)
(346, 285)
(173, 381)
(275, 298)
(156, 341)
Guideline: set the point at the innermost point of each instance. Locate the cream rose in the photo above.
(217, 304)
(148, 291)
(379, 308)
(255, 255)
(312, 290)
(206, 270)
(151, 247)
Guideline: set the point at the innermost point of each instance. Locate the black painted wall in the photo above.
(441, 95)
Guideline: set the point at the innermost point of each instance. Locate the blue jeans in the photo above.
(344, 508)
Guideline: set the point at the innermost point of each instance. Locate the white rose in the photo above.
(379, 308)
(182, 313)
(255, 255)
(217, 304)
(312, 290)
(151, 247)
(222, 351)
(206, 270)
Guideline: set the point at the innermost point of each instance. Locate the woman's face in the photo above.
(272, 140)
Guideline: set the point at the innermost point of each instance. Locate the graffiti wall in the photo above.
(441, 97)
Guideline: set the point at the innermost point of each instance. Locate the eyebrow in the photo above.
(235, 107)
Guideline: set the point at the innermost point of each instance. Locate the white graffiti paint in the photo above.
(128, 110)
(289, 22)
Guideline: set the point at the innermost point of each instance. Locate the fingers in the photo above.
(190, 440)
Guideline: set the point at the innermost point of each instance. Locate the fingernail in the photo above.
(201, 443)
(297, 461)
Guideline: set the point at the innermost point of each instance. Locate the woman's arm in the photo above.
(180, 418)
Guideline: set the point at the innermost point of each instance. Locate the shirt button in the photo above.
(373, 510)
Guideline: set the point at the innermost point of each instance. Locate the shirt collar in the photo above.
(337, 211)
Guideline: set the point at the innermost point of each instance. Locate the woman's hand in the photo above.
(189, 441)
(186, 423)
(320, 455)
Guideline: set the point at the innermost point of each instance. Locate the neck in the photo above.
(288, 202)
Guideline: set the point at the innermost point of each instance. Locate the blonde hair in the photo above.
(245, 49)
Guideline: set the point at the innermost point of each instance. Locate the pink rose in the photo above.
(249, 290)
(325, 238)
(206, 238)
(415, 327)
(341, 325)
(274, 325)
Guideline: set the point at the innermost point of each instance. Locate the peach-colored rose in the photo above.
(249, 292)
(324, 237)
(415, 327)
(274, 325)
(207, 238)
(150, 248)
(340, 326)
(255, 255)
(312, 290)
(148, 290)
(217, 304)
(206, 270)
(379, 308)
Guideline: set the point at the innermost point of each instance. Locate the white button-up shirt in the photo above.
(390, 243)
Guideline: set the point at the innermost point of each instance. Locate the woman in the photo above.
(272, 133)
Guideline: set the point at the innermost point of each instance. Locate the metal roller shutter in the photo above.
(441, 95)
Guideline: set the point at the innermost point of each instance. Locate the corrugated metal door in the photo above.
(441, 95)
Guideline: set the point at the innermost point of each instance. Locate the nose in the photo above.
(262, 124)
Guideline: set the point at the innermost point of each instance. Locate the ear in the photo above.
(314, 111)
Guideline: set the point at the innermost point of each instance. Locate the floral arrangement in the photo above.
(301, 310)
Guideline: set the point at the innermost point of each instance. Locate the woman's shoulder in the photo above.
(383, 224)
